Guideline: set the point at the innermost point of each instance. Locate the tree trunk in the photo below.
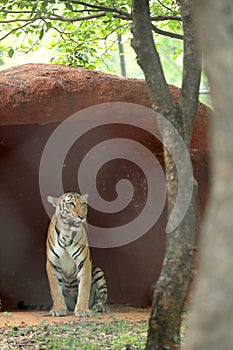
(211, 326)
(121, 55)
(176, 276)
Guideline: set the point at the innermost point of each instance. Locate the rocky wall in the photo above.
(34, 100)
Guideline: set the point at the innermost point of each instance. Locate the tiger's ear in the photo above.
(85, 197)
(52, 200)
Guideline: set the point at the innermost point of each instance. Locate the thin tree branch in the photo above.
(12, 11)
(191, 71)
(165, 18)
(86, 18)
(101, 8)
(17, 20)
(148, 58)
(62, 33)
(90, 8)
(165, 33)
(123, 13)
(204, 92)
(107, 9)
(15, 29)
(166, 7)
(75, 19)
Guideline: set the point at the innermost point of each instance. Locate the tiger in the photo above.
(75, 285)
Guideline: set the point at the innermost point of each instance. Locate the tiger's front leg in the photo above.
(59, 306)
(82, 306)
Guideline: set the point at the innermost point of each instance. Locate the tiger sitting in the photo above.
(74, 284)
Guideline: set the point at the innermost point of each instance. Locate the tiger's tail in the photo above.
(22, 306)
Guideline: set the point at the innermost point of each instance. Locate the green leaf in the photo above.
(11, 52)
(123, 8)
(176, 338)
(48, 25)
(33, 8)
(109, 15)
(69, 6)
(41, 33)
(91, 66)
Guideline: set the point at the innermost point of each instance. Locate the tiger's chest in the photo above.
(67, 249)
(67, 263)
(68, 259)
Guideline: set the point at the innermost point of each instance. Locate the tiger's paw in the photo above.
(100, 307)
(82, 313)
(59, 313)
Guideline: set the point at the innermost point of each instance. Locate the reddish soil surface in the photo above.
(118, 312)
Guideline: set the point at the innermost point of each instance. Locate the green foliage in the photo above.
(11, 52)
(82, 334)
(79, 31)
(81, 35)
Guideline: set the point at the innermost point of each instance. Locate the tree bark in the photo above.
(212, 317)
(121, 55)
(191, 72)
(149, 60)
(176, 276)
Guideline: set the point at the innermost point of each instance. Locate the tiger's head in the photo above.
(71, 208)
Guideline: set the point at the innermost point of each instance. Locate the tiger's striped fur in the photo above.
(74, 284)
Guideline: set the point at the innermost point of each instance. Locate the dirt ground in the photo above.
(18, 317)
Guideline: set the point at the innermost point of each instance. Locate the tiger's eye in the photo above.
(72, 204)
